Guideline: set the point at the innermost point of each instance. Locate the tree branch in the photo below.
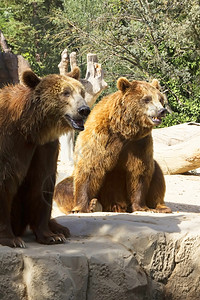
(3, 43)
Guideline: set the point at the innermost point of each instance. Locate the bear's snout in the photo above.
(162, 112)
(84, 111)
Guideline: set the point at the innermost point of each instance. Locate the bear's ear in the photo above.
(30, 79)
(155, 83)
(75, 73)
(123, 84)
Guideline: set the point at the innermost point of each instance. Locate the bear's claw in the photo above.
(13, 242)
(52, 239)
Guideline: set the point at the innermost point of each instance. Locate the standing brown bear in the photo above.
(32, 117)
(114, 154)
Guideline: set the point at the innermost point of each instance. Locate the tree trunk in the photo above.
(94, 83)
(177, 148)
(11, 65)
(63, 65)
(3, 43)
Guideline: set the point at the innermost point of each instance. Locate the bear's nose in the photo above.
(162, 112)
(84, 111)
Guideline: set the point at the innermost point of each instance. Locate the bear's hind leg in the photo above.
(156, 192)
(64, 196)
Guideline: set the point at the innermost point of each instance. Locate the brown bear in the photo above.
(32, 117)
(114, 154)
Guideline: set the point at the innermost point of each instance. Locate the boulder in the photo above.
(138, 256)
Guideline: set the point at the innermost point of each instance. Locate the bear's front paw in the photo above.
(58, 229)
(119, 208)
(163, 209)
(137, 207)
(13, 242)
(50, 238)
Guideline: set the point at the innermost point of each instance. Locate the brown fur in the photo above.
(32, 117)
(64, 194)
(114, 155)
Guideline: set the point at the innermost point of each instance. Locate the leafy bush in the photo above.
(138, 39)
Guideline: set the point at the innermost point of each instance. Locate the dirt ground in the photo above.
(183, 192)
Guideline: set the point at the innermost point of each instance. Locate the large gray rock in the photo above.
(109, 256)
(139, 256)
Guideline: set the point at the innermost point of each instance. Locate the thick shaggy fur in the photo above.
(114, 154)
(32, 117)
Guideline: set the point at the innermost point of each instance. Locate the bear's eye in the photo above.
(67, 93)
(147, 99)
(162, 100)
(83, 93)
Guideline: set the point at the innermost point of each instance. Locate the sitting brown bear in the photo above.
(32, 117)
(114, 154)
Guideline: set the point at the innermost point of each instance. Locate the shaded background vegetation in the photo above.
(139, 39)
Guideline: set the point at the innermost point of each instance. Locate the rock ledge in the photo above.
(109, 256)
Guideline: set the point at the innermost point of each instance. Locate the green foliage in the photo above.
(139, 39)
(25, 25)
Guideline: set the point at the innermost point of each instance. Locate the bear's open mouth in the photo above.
(156, 120)
(77, 124)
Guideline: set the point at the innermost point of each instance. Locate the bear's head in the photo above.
(56, 101)
(137, 108)
(144, 99)
(141, 103)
